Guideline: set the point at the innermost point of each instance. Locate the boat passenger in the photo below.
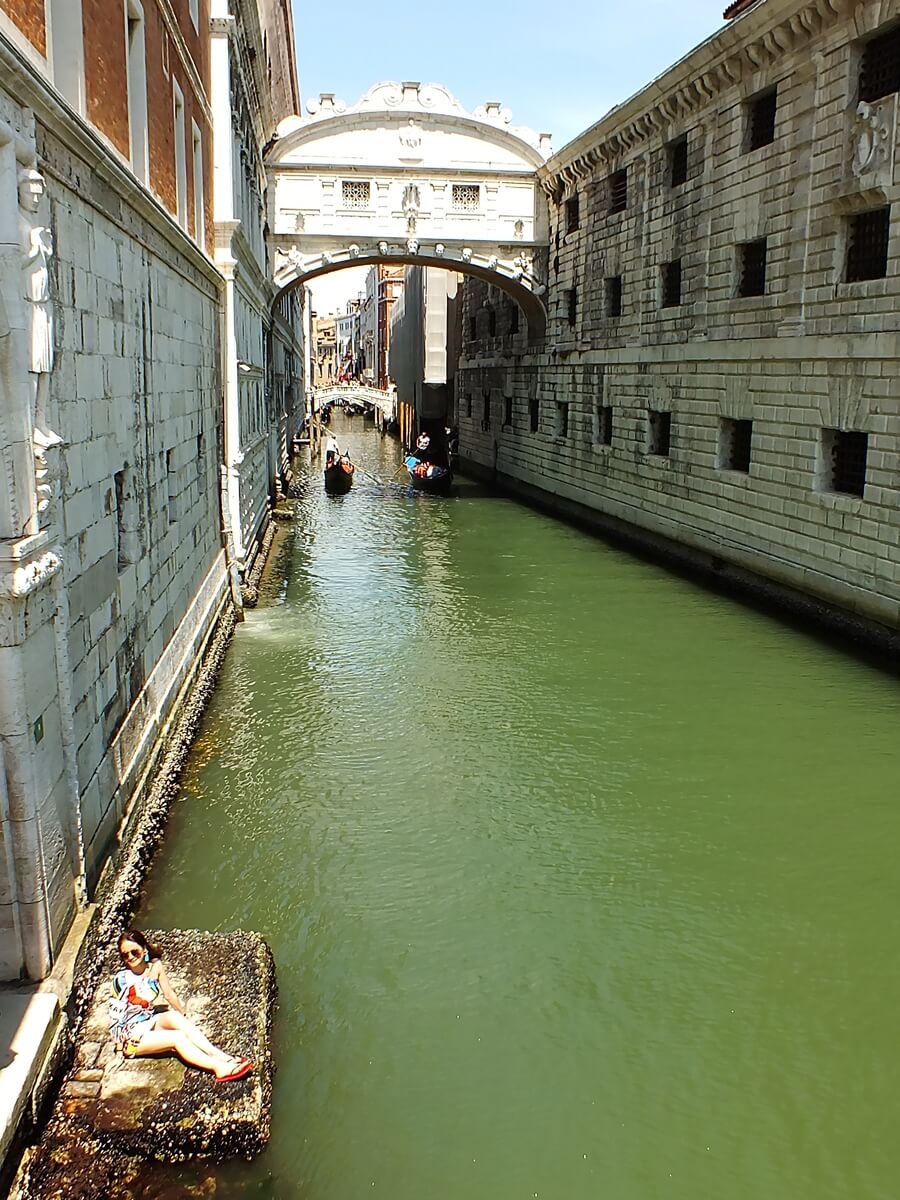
(148, 1018)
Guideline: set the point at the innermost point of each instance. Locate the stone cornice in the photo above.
(755, 41)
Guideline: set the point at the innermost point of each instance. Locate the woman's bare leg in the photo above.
(178, 1023)
(159, 1041)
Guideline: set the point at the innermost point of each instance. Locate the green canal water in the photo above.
(581, 881)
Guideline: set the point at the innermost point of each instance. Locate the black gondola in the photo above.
(339, 477)
(428, 477)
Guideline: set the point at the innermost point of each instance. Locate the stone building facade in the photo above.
(113, 565)
(720, 370)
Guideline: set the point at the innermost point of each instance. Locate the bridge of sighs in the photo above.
(407, 175)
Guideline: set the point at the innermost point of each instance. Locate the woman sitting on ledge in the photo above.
(142, 1024)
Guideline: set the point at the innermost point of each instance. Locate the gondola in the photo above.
(339, 477)
(429, 478)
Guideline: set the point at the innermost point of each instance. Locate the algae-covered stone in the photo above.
(96, 1140)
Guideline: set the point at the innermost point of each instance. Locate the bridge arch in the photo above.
(408, 176)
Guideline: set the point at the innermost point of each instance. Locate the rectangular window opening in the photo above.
(752, 268)
(121, 556)
(843, 461)
(485, 411)
(492, 322)
(466, 196)
(534, 414)
(761, 113)
(618, 191)
(356, 193)
(469, 405)
(879, 67)
(136, 72)
(571, 298)
(671, 283)
(181, 211)
(603, 424)
(171, 487)
(508, 411)
(473, 329)
(659, 432)
(678, 162)
(513, 317)
(735, 442)
(867, 245)
(572, 218)
(613, 295)
(561, 424)
(199, 202)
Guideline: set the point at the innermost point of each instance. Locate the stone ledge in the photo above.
(113, 1114)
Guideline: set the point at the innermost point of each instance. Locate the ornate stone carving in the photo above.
(467, 254)
(439, 249)
(47, 473)
(410, 140)
(26, 578)
(412, 246)
(37, 249)
(354, 250)
(382, 248)
(870, 138)
(411, 204)
(519, 229)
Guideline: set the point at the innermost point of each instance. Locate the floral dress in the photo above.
(132, 1006)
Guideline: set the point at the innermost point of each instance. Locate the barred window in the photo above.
(571, 300)
(572, 218)
(618, 191)
(752, 268)
(534, 414)
(613, 295)
(659, 432)
(356, 193)
(867, 244)
(513, 317)
(879, 68)
(671, 283)
(466, 196)
(735, 441)
(761, 112)
(561, 421)
(492, 322)
(485, 410)
(508, 411)
(603, 424)
(843, 462)
(678, 161)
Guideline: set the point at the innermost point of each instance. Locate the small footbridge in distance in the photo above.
(374, 400)
(407, 175)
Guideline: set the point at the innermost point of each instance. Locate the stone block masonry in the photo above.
(721, 370)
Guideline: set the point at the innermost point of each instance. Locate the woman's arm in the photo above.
(166, 988)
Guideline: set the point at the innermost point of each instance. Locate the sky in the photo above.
(559, 68)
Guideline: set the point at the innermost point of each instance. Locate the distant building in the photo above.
(424, 347)
(324, 333)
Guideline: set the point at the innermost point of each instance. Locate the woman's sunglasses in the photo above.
(132, 955)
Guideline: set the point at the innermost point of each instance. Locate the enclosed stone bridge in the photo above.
(354, 393)
(407, 175)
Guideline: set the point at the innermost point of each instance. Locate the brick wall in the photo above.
(813, 353)
(29, 17)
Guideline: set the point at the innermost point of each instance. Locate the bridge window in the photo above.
(867, 245)
(466, 196)
(842, 461)
(659, 432)
(356, 193)
(879, 68)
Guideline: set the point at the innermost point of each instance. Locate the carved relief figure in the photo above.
(411, 140)
(37, 249)
(411, 205)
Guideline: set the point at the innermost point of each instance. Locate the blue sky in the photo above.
(559, 67)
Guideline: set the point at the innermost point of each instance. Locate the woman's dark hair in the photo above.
(135, 935)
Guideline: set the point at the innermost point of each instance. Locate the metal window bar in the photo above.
(867, 246)
(678, 162)
(762, 119)
(614, 296)
(660, 432)
(849, 451)
(752, 281)
(671, 284)
(879, 68)
(572, 215)
(738, 445)
(604, 425)
(618, 191)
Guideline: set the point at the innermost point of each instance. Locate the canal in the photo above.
(581, 880)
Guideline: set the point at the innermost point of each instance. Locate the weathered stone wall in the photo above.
(810, 359)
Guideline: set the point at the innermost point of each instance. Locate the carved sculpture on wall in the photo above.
(410, 140)
(869, 139)
(411, 204)
(36, 245)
